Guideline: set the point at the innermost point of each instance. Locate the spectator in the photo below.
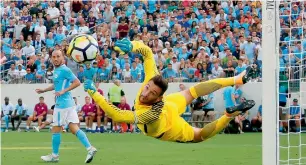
(123, 29)
(31, 65)
(169, 73)
(238, 93)
(20, 114)
(11, 74)
(53, 12)
(39, 114)
(6, 112)
(49, 74)
(229, 97)
(209, 107)
(240, 68)
(26, 31)
(257, 120)
(6, 44)
(28, 50)
(50, 42)
(41, 29)
(103, 74)
(114, 74)
(79, 111)
(81, 73)
(249, 48)
(197, 113)
(125, 106)
(20, 73)
(217, 70)
(40, 74)
(126, 74)
(135, 72)
(241, 118)
(100, 113)
(29, 77)
(89, 72)
(89, 111)
(295, 114)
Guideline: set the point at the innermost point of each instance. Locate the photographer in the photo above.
(197, 113)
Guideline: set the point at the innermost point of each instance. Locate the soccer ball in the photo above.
(83, 49)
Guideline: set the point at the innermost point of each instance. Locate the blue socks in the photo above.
(281, 129)
(83, 138)
(56, 141)
(6, 119)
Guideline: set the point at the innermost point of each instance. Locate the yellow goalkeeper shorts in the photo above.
(180, 130)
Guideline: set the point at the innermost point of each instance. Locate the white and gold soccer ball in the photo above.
(83, 49)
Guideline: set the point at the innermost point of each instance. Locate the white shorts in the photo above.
(49, 118)
(62, 117)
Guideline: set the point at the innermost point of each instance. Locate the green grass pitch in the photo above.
(21, 148)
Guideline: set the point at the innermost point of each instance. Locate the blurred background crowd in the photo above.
(191, 40)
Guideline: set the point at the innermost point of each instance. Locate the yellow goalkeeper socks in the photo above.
(214, 127)
(207, 87)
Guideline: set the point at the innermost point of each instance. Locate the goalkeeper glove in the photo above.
(123, 46)
(89, 87)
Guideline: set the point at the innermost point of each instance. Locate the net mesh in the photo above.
(292, 83)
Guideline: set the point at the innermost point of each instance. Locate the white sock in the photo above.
(55, 155)
(27, 127)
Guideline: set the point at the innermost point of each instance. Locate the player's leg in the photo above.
(297, 123)
(207, 87)
(22, 118)
(91, 121)
(99, 119)
(239, 123)
(73, 120)
(6, 119)
(211, 129)
(13, 118)
(48, 121)
(87, 122)
(29, 121)
(39, 120)
(81, 119)
(105, 122)
(58, 121)
(254, 121)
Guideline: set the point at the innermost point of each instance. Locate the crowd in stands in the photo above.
(191, 41)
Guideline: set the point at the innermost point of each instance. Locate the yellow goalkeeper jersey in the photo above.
(161, 120)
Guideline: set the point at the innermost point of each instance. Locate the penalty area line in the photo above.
(34, 148)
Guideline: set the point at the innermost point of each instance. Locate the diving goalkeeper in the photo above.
(157, 115)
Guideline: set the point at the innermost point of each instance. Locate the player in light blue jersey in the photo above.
(19, 114)
(64, 111)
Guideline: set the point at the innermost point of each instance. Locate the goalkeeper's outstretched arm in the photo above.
(127, 116)
(148, 57)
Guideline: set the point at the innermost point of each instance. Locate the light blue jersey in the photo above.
(210, 105)
(20, 108)
(62, 79)
(227, 94)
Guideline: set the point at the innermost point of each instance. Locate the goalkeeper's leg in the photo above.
(207, 87)
(211, 129)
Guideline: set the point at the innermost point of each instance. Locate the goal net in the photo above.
(284, 82)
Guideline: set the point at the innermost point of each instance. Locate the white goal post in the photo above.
(270, 38)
